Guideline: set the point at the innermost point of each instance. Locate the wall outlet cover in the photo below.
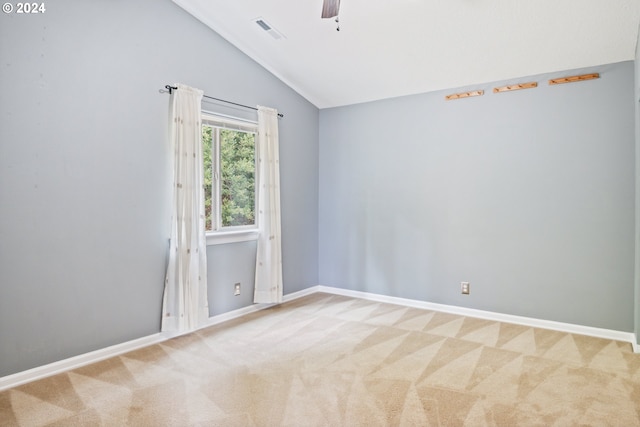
(464, 288)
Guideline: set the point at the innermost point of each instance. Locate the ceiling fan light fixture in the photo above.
(330, 8)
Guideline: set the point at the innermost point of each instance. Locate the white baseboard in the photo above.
(214, 320)
(629, 337)
(75, 362)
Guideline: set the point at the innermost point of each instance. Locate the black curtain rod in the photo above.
(172, 88)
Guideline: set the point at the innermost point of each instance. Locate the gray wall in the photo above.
(637, 231)
(528, 195)
(85, 173)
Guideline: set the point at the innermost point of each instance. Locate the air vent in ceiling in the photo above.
(268, 28)
(263, 24)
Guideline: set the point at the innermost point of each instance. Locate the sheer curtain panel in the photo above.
(268, 282)
(185, 305)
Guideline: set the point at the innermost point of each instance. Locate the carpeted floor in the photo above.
(326, 360)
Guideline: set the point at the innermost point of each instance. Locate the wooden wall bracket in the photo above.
(515, 87)
(573, 79)
(464, 95)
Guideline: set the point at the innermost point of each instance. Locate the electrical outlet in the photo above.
(464, 288)
(236, 289)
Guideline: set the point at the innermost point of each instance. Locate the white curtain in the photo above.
(185, 304)
(268, 281)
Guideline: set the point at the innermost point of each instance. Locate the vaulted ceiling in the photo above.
(388, 48)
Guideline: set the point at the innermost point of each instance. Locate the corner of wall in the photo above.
(636, 100)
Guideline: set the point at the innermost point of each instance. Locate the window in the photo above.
(229, 156)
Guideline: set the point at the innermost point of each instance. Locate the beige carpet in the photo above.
(327, 360)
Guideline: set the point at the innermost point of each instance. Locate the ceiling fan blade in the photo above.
(330, 8)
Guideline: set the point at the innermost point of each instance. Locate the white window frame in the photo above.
(243, 233)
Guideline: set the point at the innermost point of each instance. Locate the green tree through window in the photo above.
(229, 174)
(238, 167)
(207, 139)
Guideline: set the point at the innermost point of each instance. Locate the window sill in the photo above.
(223, 237)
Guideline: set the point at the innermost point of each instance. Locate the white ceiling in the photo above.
(388, 48)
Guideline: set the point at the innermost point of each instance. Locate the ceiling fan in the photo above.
(331, 8)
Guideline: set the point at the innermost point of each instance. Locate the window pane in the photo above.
(237, 164)
(207, 138)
